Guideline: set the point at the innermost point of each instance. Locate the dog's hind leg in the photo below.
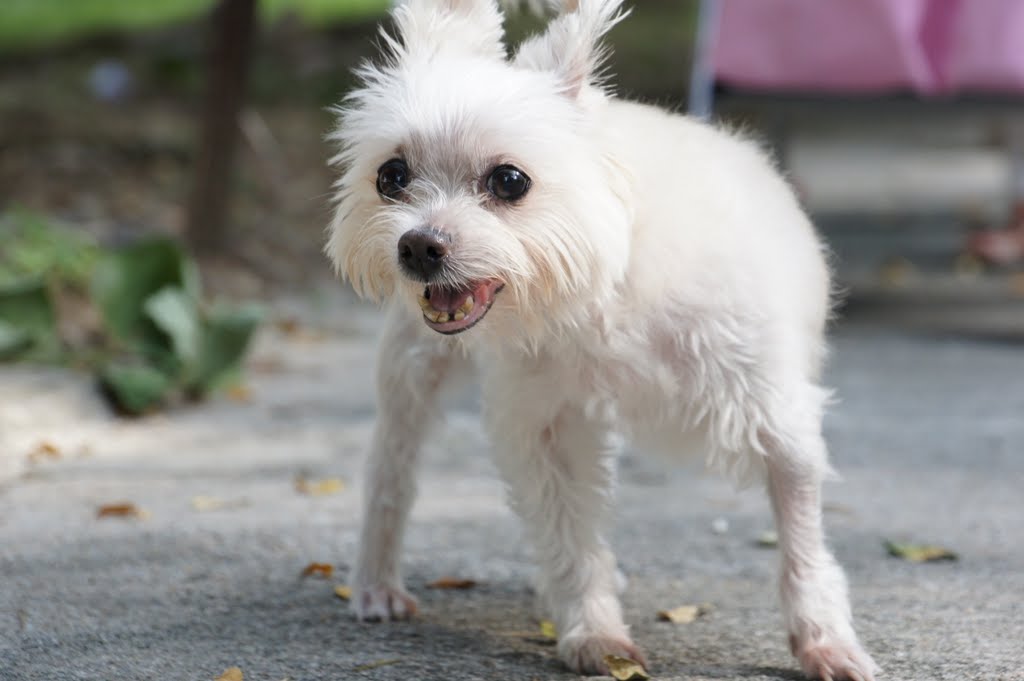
(559, 467)
(411, 370)
(813, 588)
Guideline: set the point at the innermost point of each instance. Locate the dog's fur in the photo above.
(661, 283)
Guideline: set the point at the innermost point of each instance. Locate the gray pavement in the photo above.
(928, 435)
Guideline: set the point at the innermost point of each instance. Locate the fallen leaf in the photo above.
(1017, 284)
(896, 272)
(625, 669)
(324, 570)
(288, 325)
(44, 450)
(122, 510)
(343, 592)
(768, 540)
(319, 488)
(547, 629)
(968, 265)
(374, 665)
(232, 674)
(453, 583)
(207, 503)
(920, 553)
(239, 393)
(684, 614)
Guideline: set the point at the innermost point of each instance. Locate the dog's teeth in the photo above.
(467, 306)
(438, 317)
(424, 304)
(460, 315)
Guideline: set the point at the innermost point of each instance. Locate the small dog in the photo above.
(612, 270)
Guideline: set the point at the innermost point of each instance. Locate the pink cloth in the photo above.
(866, 46)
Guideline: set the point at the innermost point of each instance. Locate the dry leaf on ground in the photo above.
(453, 583)
(203, 504)
(232, 674)
(374, 665)
(919, 553)
(1017, 284)
(239, 393)
(121, 510)
(684, 614)
(547, 629)
(44, 450)
(625, 669)
(768, 540)
(319, 488)
(343, 592)
(325, 570)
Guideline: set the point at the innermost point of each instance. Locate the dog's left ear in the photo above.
(467, 26)
(571, 46)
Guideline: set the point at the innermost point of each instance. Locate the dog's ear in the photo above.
(461, 26)
(571, 46)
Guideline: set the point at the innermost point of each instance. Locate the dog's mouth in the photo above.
(454, 310)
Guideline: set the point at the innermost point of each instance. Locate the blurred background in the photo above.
(164, 193)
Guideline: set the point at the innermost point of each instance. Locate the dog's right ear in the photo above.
(426, 27)
(571, 46)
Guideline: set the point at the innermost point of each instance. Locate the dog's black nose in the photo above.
(422, 252)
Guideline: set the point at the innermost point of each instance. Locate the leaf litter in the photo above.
(343, 592)
(325, 570)
(319, 488)
(625, 669)
(121, 510)
(452, 584)
(378, 663)
(231, 674)
(684, 614)
(920, 553)
(206, 504)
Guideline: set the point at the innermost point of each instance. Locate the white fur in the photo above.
(662, 284)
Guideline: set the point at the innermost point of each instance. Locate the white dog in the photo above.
(612, 270)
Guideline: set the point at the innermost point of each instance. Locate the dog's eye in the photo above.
(392, 178)
(508, 183)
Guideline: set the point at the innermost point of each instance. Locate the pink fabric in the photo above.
(988, 47)
(927, 46)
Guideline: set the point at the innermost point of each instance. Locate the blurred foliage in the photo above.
(32, 23)
(155, 340)
(32, 247)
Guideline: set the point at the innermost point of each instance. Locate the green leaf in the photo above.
(13, 341)
(135, 388)
(919, 553)
(124, 280)
(174, 312)
(225, 338)
(27, 311)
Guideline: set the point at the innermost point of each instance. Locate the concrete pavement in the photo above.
(927, 434)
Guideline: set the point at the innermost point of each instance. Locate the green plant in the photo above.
(157, 341)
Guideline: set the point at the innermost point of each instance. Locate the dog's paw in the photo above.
(585, 654)
(835, 661)
(383, 603)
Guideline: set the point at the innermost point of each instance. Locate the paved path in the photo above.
(928, 435)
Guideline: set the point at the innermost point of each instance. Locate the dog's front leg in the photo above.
(411, 369)
(559, 467)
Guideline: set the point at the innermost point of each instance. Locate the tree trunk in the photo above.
(232, 26)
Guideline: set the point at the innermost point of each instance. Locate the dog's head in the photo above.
(473, 180)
